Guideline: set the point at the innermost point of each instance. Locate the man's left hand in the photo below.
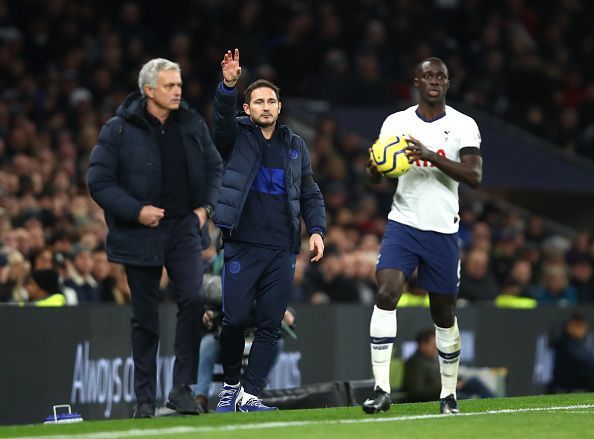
(201, 214)
(316, 246)
(417, 151)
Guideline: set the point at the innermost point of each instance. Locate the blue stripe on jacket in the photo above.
(270, 181)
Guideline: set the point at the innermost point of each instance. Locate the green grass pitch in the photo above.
(553, 416)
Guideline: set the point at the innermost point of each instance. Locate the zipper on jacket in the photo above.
(154, 136)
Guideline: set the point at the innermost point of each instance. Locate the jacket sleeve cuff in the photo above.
(317, 230)
(136, 215)
(227, 90)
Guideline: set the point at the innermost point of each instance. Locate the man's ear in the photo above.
(246, 108)
(416, 82)
(148, 91)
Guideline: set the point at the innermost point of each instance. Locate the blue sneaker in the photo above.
(230, 397)
(255, 405)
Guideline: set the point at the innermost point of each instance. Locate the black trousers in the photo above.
(183, 261)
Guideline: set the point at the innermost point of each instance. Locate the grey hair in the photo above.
(149, 71)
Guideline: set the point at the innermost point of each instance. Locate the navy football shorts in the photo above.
(435, 254)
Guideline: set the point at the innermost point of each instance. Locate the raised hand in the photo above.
(231, 68)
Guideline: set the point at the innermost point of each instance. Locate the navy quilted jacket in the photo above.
(125, 174)
(242, 151)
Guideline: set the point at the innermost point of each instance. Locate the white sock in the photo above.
(231, 385)
(247, 397)
(382, 330)
(448, 347)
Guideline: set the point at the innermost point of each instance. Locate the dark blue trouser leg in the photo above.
(144, 287)
(272, 298)
(183, 261)
(255, 281)
(232, 345)
(240, 276)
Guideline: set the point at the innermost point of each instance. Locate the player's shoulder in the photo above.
(402, 113)
(400, 116)
(459, 116)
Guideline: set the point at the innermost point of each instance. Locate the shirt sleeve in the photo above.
(389, 127)
(471, 135)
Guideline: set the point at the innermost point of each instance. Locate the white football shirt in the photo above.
(426, 198)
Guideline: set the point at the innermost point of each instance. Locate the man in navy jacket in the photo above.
(156, 173)
(267, 187)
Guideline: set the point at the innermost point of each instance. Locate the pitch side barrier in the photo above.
(82, 356)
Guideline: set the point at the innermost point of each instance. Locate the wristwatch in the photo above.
(209, 210)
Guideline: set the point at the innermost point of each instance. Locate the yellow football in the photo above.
(388, 154)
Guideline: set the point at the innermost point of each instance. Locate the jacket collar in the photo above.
(132, 109)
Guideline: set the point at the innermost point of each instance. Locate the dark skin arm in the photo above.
(469, 170)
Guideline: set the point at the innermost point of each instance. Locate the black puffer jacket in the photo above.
(125, 174)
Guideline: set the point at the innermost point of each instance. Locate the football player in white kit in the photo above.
(422, 229)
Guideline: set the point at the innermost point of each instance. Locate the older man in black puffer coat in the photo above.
(157, 174)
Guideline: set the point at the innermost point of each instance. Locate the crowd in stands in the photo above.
(66, 65)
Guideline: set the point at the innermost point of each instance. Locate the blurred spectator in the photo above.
(43, 289)
(15, 274)
(580, 247)
(573, 369)
(582, 279)
(422, 380)
(61, 264)
(468, 217)
(5, 293)
(504, 253)
(79, 276)
(555, 287)
(518, 290)
(554, 249)
(535, 233)
(329, 283)
(481, 236)
(364, 274)
(43, 259)
(102, 274)
(477, 283)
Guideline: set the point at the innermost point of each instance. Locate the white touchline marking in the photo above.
(270, 425)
